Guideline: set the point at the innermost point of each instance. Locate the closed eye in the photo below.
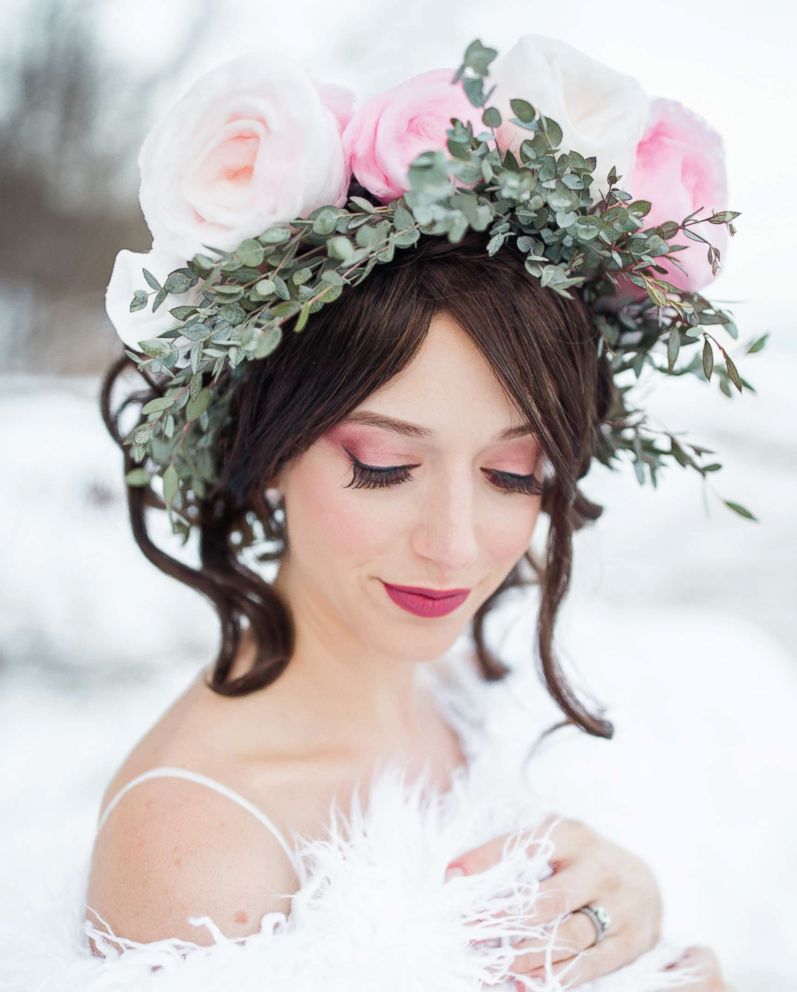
(373, 477)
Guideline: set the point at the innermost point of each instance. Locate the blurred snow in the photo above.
(66, 542)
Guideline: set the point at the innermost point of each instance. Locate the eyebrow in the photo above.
(415, 430)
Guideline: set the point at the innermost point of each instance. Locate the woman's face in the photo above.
(445, 519)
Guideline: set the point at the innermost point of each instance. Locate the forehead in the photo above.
(449, 387)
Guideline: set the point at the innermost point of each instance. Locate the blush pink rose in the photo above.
(254, 142)
(679, 167)
(394, 127)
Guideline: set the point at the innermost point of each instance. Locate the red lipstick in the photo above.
(426, 602)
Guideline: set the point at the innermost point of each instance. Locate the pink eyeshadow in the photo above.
(363, 446)
(367, 445)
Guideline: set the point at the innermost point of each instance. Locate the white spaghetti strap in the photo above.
(169, 771)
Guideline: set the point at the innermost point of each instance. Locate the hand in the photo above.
(708, 969)
(587, 868)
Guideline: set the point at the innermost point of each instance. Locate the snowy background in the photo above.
(682, 615)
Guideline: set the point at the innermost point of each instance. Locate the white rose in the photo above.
(127, 276)
(254, 142)
(601, 112)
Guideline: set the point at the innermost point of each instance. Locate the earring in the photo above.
(274, 496)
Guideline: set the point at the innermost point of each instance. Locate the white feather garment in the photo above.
(372, 912)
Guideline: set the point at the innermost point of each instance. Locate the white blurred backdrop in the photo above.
(682, 614)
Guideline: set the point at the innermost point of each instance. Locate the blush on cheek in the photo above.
(353, 527)
(513, 530)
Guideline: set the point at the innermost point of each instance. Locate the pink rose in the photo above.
(680, 166)
(392, 128)
(254, 142)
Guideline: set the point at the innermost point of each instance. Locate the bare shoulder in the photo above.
(173, 849)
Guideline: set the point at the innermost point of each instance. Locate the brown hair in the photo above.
(543, 350)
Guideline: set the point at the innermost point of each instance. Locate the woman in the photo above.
(410, 438)
(341, 801)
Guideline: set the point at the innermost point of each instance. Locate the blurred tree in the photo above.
(68, 179)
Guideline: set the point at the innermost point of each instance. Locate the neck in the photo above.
(335, 696)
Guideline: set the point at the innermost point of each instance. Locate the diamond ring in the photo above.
(600, 920)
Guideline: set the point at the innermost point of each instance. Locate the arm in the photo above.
(171, 851)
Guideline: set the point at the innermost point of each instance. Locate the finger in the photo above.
(702, 964)
(565, 891)
(591, 963)
(564, 840)
(571, 838)
(560, 839)
(569, 938)
(480, 858)
(573, 888)
(559, 899)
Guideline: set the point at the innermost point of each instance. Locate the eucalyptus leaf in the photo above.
(673, 346)
(324, 221)
(741, 510)
(158, 404)
(177, 282)
(198, 404)
(182, 313)
(491, 117)
(523, 110)
(151, 280)
(155, 347)
(160, 296)
(362, 204)
(170, 484)
(264, 288)
(301, 320)
(232, 313)
(553, 131)
(274, 236)
(268, 342)
(139, 300)
(733, 374)
(340, 248)
(287, 309)
(251, 252)
(137, 477)
(708, 359)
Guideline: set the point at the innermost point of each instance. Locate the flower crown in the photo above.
(246, 187)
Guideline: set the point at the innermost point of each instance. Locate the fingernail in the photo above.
(685, 955)
(453, 871)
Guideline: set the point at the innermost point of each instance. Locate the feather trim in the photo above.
(372, 910)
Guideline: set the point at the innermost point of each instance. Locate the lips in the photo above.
(426, 602)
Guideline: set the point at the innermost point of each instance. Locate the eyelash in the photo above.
(370, 477)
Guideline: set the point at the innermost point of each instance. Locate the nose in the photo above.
(447, 531)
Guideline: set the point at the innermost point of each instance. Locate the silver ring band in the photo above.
(600, 920)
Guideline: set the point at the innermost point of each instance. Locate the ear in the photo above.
(273, 481)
